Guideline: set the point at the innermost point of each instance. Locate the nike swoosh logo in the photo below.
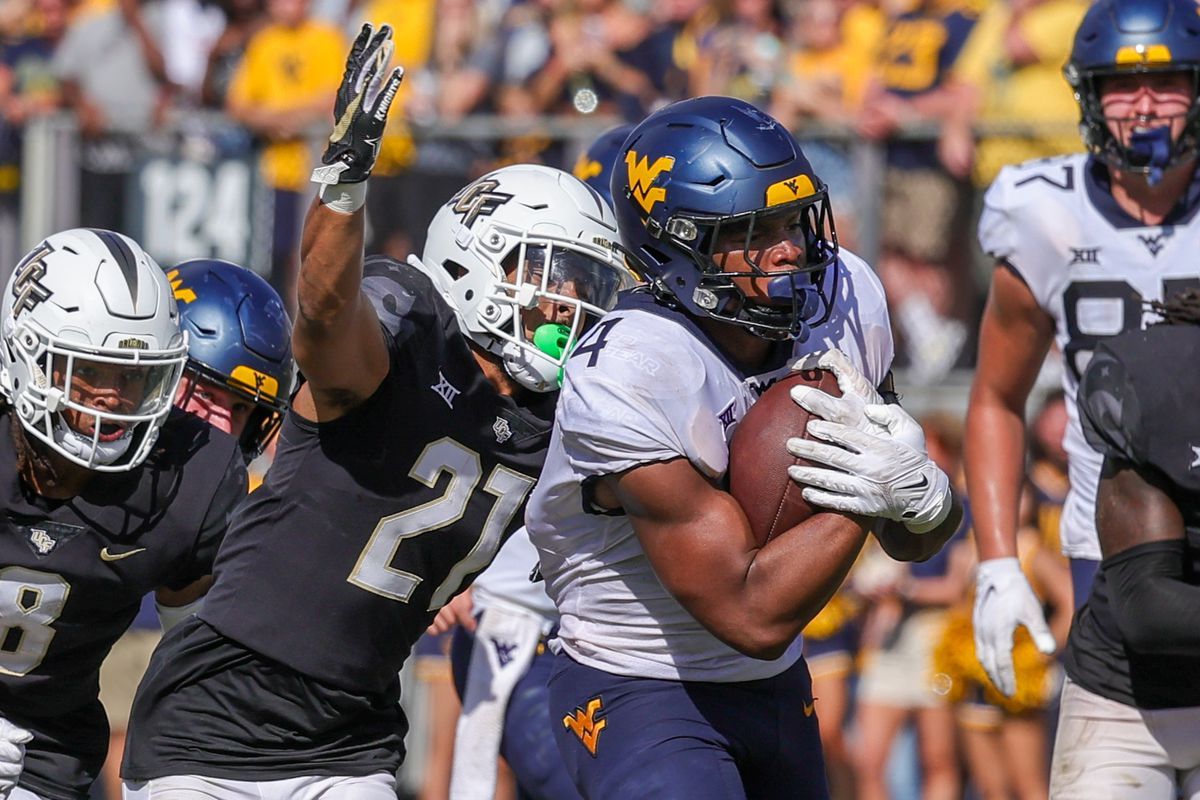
(924, 482)
(105, 555)
(809, 707)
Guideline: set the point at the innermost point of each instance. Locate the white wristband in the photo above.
(344, 198)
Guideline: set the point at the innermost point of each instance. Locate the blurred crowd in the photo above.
(922, 76)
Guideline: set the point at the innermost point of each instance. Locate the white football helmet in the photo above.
(526, 256)
(90, 347)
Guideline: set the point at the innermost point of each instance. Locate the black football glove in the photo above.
(361, 110)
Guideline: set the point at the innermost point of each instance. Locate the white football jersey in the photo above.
(645, 385)
(506, 580)
(1092, 268)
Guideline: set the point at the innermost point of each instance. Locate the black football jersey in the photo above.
(366, 525)
(73, 573)
(1137, 403)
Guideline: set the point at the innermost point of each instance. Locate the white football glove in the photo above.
(883, 471)
(1004, 600)
(12, 755)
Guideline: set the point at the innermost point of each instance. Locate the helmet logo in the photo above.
(480, 198)
(786, 191)
(587, 168)
(27, 289)
(182, 293)
(642, 175)
(1137, 54)
(263, 384)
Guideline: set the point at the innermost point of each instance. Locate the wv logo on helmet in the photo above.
(642, 175)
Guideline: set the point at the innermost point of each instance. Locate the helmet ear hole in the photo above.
(454, 269)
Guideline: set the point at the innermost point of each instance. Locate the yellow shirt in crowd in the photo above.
(413, 23)
(1034, 93)
(290, 68)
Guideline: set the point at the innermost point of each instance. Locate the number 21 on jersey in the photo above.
(374, 571)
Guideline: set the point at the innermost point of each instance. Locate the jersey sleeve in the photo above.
(1013, 227)
(638, 401)
(1109, 409)
(229, 492)
(403, 299)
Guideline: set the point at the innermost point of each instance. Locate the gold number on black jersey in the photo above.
(374, 571)
(30, 601)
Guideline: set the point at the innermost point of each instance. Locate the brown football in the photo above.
(758, 456)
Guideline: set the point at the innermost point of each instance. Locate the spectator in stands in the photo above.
(397, 213)
(831, 48)
(897, 683)
(243, 19)
(28, 89)
(741, 55)
(114, 78)
(1011, 71)
(605, 56)
(928, 292)
(284, 84)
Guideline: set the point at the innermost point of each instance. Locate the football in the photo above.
(758, 456)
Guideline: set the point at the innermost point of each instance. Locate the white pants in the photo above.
(23, 794)
(1107, 750)
(380, 786)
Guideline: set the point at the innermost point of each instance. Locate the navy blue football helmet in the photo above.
(1119, 37)
(239, 338)
(595, 165)
(708, 165)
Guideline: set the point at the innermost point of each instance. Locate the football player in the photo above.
(1080, 242)
(679, 673)
(239, 370)
(505, 704)
(103, 501)
(1129, 722)
(403, 464)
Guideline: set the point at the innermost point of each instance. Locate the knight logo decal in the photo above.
(788, 190)
(642, 176)
(585, 725)
(28, 291)
(479, 199)
(182, 293)
(261, 383)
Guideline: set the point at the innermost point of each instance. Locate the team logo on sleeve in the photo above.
(643, 174)
(585, 725)
(502, 430)
(46, 537)
(479, 199)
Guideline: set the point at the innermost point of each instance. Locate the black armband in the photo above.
(1156, 611)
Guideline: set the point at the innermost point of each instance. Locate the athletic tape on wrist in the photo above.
(344, 198)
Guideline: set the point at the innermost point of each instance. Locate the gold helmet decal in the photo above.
(1136, 55)
(260, 382)
(642, 175)
(182, 293)
(786, 191)
(587, 168)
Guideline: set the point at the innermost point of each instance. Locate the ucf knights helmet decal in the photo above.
(479, 199)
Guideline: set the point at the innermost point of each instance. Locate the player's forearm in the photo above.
(331, 261)
(995, 464)
(792, 578)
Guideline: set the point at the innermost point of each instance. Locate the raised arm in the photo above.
(337, 339)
